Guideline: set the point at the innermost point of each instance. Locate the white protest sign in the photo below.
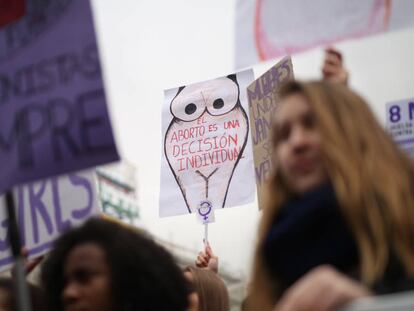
(267, 29)
(207, 150)
(47, 208)
(400, 115)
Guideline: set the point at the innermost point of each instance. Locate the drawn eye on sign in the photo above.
(205, 139)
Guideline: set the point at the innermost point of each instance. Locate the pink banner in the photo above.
(269, 29)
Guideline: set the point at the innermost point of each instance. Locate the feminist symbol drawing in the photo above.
(205, 209)
(205, 139)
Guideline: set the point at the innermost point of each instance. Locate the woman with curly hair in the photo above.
(338, 222)
(105, 266)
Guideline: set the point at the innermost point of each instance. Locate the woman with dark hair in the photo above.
(338, 220)
(105, 266)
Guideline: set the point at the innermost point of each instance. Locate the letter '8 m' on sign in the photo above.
(395, 112)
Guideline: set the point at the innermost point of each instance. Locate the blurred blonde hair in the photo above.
(372, 178)
(211, 290)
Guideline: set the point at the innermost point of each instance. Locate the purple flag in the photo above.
(53, 114)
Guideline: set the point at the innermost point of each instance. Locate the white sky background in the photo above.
(151, 45)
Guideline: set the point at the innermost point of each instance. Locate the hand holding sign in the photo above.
(333, 69)
(207, 259)
(29, 264)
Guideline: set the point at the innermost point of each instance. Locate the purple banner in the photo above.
(53, 114)
(45, 209)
